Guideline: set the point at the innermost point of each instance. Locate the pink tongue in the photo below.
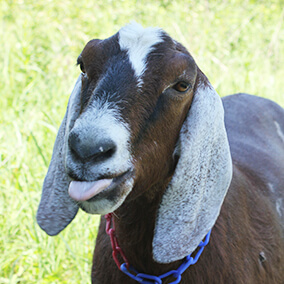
(83, 190)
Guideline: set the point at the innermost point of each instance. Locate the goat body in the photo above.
(147, 137)
(246, 244)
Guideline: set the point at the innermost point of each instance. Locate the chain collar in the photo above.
(142, 277)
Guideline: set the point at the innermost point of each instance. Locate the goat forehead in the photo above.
(139, 42)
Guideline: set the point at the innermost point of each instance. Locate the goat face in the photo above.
(129, 119)
(142, 115)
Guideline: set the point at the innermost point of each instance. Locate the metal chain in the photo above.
(146, 278)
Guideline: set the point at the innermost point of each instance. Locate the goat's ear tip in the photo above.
(156, 255)
(44, 225)
(49, 227)
(157, 258)
(51, 233)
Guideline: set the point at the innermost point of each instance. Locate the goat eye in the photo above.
(182, 86)
(82, 67)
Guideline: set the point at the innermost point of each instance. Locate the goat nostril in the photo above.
(108, 153)
(103, 152)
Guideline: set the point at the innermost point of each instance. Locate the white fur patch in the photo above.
(139, 43)
(279, 203)
(271, 187)
(279, 132)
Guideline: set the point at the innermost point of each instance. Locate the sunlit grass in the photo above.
(238, 44)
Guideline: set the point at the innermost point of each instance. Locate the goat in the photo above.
(147, 137)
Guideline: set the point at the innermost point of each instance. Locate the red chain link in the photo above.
(116, 250)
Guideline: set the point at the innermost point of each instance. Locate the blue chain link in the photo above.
(151, 279)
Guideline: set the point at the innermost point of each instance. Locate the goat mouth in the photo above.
(90, 190)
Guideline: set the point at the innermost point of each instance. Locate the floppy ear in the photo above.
(56, 209)
(193, 199)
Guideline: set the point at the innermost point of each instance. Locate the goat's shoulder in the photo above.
(254, 122)
(255, 128)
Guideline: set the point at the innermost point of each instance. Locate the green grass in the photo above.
(238, 44)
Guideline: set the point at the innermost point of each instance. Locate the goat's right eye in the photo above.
(80, 62)
(82, 67)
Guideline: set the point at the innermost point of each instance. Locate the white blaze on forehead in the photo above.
(139, 43)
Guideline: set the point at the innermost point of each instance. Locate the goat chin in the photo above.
(146, 136)
(106, 199)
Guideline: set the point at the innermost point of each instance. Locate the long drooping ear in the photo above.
(193, 199)
(56, 209)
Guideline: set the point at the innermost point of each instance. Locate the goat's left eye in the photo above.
(181, 86)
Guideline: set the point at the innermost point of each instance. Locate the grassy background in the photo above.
(239, 45)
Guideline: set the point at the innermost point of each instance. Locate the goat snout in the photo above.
(91, 147)
(97, 146)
